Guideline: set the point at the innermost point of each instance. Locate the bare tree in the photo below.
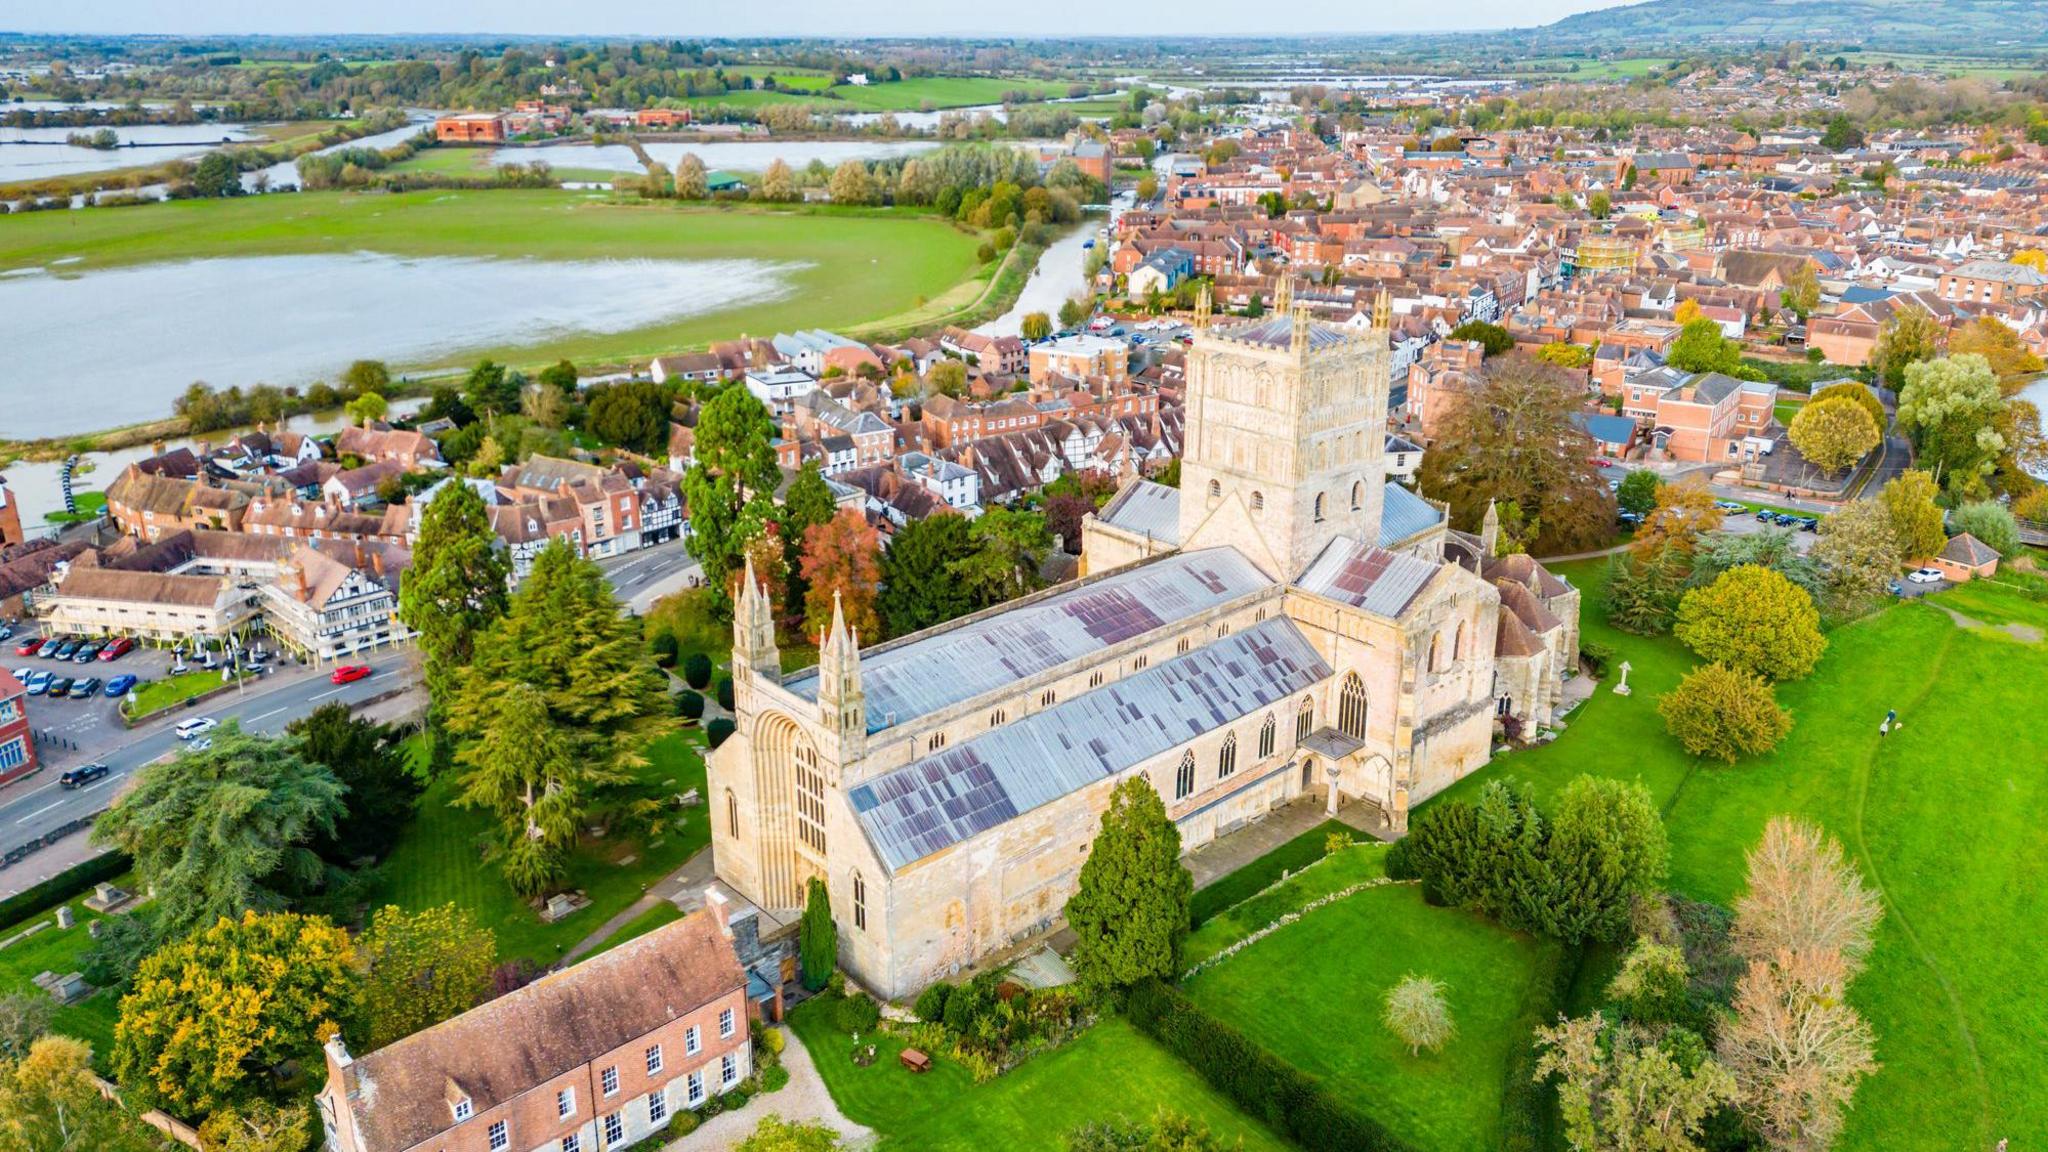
(1804, 897)
(1796, 1048)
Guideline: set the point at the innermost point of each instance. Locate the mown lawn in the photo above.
(1319, 877)
(440, 861)
(152, 696)
(1289, 857)
(1946, 815)
(59, 951)
(1312, 993)
(1109, 1072)
(847, 268)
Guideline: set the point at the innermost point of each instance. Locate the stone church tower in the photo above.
(1286, 439)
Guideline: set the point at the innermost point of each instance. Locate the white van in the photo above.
(187, 729)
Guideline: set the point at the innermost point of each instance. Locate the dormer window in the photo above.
(463, 1109)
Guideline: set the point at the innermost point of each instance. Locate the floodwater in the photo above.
(41, 153)
(733, 155)
(286, 175)
(119, 345)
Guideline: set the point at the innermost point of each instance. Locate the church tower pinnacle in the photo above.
(842, 704)
(753, 626)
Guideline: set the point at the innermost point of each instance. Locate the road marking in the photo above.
(325, 695)
(269, 714)
(39, 812)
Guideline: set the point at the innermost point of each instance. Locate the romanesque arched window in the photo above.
(1215, 491)
(937, 742)
(1304, 720)
(1267, 734)
(1258, 501)
(1048, 698)
(1458, 643)
(997, 717)
(1138, 663)
(1351, 707)
(1226, 760)
(1319, 508)
(1184, 777)
(1095, 679)
(1357, 495)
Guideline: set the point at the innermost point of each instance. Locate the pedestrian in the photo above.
(1891, 721)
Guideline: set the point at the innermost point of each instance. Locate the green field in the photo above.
(154, 696)
(1108, 1072)
(857, 268)
(440, 861)
(936, 92)
(1946, 815)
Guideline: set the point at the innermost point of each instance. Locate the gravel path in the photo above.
(803, 1100)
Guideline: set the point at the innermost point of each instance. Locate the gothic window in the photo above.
(1458, 643)
(1305, 720)
(937, 742)
(810, 798)
(1351, 708)
(1095, 679)
(1226, 760)
(1258, 501)
(1435, 646)
(1182, 647)
(1319, 508)
(1184, 777)
(732, 814)
(860, 902)
(1357, 495)
(1267, 732)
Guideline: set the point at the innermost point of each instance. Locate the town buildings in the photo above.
(17, 744)
(1318, 629)
(594, 1057)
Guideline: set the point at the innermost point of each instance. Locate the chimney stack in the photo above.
(715, 903)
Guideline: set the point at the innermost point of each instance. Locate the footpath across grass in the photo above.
(440, 860)
(1948, 816)
(1108, 1072)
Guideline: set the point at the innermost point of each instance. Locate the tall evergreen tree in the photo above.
(225, 830)
(730, 489)
(454, 589)
(918, 586)
(367, 759)
(818, 938)
(1130, 909)
(807, 504)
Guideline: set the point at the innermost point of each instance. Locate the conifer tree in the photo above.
(1130, 910)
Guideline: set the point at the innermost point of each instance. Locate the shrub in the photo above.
(818, 937)
(931, 1003)
(1337, 842)
(725, 693)
(1597, 658)
(1653, 984)
(1989, 522)
(664, 648)
(697, 670)
(1417, 1014)
(690, 705)
(1724, 713)
(1525, 1105)
(1755, 619)
(858, 1014)
(1605, 847)
(716, 732)
(1265, 1086)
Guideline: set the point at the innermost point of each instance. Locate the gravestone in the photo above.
(65, 917)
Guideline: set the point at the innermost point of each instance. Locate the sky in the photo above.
(714, 18)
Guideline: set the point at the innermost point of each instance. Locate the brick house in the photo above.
(1080, 357)
(1708, 417)
(17, 748)
(585, 1060)
(1990, 282)
(470, 128)
(1962, 559)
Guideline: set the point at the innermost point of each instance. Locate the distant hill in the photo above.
(1901, 24)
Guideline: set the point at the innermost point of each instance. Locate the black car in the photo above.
(67, 649)
(82, 775)
(88, 650)
(59, 685)
(86, 689)
(1763, 515)
(1785, 519)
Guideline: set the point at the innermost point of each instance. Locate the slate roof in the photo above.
(1964, 548)
(942, 800)
(1403, 514)
(924, 674)
(1367, 576)
(1146, 509)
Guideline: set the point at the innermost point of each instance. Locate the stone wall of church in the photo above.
(1105, 547)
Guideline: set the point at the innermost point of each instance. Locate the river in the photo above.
(1057, 279)
(126, 341)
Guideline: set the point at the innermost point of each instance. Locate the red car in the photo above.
(28, 647)
(116, 648)
(350, 673)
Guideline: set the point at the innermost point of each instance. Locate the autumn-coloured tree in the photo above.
(421, 968)
(692, 182)
(1753, 618)
(1796, 1048)
(842, 562)
(1682, 512)
(1909, 337)
(1833, 434)
(1724, 713)
(1686, 312)
(1911, 513)
(1804, 896)
(1987, 336)
(778, 183)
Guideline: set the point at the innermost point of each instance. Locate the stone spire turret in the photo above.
(753, 626)
(1489, 532)
(1383, 311)
(842, 704)
(1283, 293)
(1203, 307)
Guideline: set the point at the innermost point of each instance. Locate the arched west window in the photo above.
(1226, 760)
(1184, 777)
(1319, 508)
(1351, 708)
(1258, 501)
(1304, 720)
(1267, 733)
(1357, 495)
(810, 798)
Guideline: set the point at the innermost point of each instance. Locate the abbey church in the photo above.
(1286, 623)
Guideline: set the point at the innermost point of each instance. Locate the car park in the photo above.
(82, 775)
(86, 689)
(1925, 576)
(197, 726)
(121, 685)
(116, 648)
(59, 686)
(350, 673)
(87, 651)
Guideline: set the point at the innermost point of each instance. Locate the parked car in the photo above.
(38, 683)
(86, 689)
(1925, 576)
(116, 648)
(1786, 519)
(1894, 588)
(59, 686)
(1629, 518)
(1809, 524)
(82, 775)
(1765, 515)
(67, 648)
(350, 673)
(48, 648)
(202, 744)
(121, 685)
(88, 651)
(197, 726)
(1731, 506)
(6, 630)
(28, 647)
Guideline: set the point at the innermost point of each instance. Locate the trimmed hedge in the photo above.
(1290, 1101)
(716, 732)
(63, 886)
(1528, 1108)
